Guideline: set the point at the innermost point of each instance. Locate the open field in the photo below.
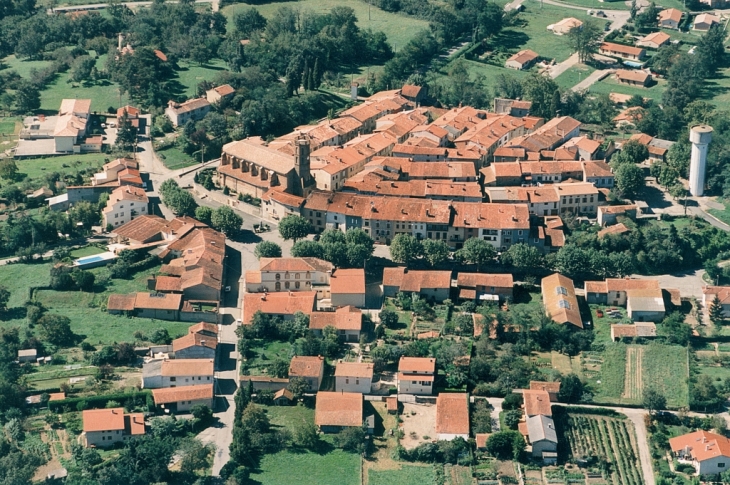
(191, 74)
(406, 475)
(174, 158)
(336, 467)
(38, 167)
(609, 383)
(665, 369)
(610, 85)
(21, 66)
(574, 75)
(398, 28)
(19, 277)
(633, 382)
(610, 439)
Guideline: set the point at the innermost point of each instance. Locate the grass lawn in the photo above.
(665, 369)
(174, 158)
(336, 467)
(573, 76)
(723, 215)
(191, 74)
(37, 167)
(399, 28)
(405, 475)
(535, 35)
(265, 353)
(610, 384)
(22, 67)
(103, 94)
(602, 326)
(86, 251)
(289, 417)
(19, 277)
(610, 85)
(9, 126)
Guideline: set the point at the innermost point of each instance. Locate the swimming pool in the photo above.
(95, 260)
(89, 259)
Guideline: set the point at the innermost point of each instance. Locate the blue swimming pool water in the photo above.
(89, 259)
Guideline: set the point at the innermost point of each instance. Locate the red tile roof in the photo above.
(409, 280)
(103, 419)
(187, 367)
(338, 409)
(305, 366)
(194, 340)
(702, 445)
(348, 281)
(473, 280)
(537, 403)
(452, 413)
(345, 318)
(119, 302)
(280, 303)
(158, 301)
(183, 393)
(417, 364)
(354, 369)
(561, 304)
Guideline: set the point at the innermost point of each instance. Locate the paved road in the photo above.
(561, 67)
(688, 283)
(496, 403)
(594, 77)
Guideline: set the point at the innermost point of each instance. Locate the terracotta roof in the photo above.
(183, 393)
(416, 280)
(194, 340)
(639, 329)
(338, 409)
(294, 264)
(524, 56)
(537, 403)
(69, 106)
(103, 419)
(621, 49)
(722, 292)
(204, 327)
(452, 413)
(284, 393)
(252, 276)
(187, 367)
(410, 91)
(481, 440)
(142, 228)
(131, 111)
(670, 14)
(631, 75)
(279, 303)
(558, 296)
(283, 198)
(348, 281)
(167, 283)
(391, 403)
(509, 152)
(619, 228)
(658, 38)
(417, 364)
(354, 369)
(491, 216)
(224, 90)
(160, 55)
(597, 169)
(616, 209)
(545, 386)
(345, 318)
(484, 279)
(119, 302)
(439, 170)
(428, 335)
(266, 157)
(626, 284)
(304, 366)
(158, 301)
(56, 396)
(702, 445)
(705, 18)
(190, 105)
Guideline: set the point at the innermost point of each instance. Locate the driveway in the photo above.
(496, 403)
(594, 77)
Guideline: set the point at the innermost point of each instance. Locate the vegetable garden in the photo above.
(610, 441)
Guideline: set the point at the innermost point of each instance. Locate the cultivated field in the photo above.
(633, 382)
(405, 475)
(605, 439)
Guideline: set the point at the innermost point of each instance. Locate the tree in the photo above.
(711, 48)
(306, 435)
(298, 386)
(225, 220)
(506, 445)
(716, 316)
(571, 389)
(204, 214)
(477, 251)
(633, 152)
(278, 368)
(405, 249)
(81, 68)
(653, 401)
(435, 252)
(629, 180)
(307, 249)
(56, 329)
(194, 455)
(540, 89)
(585, 40)
(267, 249)
(4, 297)
(351, 439)
(388, 318)
(8, 169)
(647, 18)
(294, 227)
(84, 279)
(27, 97)
(249, 21)
(524, 257)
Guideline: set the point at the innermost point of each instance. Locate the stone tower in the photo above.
(305, 182)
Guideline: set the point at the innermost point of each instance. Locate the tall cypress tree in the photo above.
(716, 316)
(316, 81)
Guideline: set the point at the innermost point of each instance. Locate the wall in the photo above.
(413, 387)
(344, 299)
(163, 382)
(207, 317)
(543, 445)
(188, 405)
(353, 384)
(171, 315)
(195, 352)
(103, 439)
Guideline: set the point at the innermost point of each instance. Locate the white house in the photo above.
(124, 204)
(354, 377)
(178, 372)
(105, 427)
(708, 453)
(192, 109)
(416, 375)
(290, 274)
(184, 398)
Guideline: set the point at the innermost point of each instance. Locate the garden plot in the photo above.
(633, 380)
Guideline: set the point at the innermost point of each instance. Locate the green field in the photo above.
(8, 126)
(191, 74)
(38, 167)
(541, 40)
(103, 94)
(19, 277)
(613, 370)
(665, 369)
(573, 76)
(86, 251)
(610, 85)
(22, 67)
(398, 28)
(405, 475)
(336, 467)
(174, 158)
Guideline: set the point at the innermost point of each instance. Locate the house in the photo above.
(27, 355)
(552, 388)
(608, 214)
(637, 330)
(142, 230)
(563, 27)
(219, 93)
(195, 345)
(704, 21)
(561, 304)
(481, 441)
(414, 94)
(391, 404)
(633, 78)
(452, 416)
(619, 228)
(537, 403)
(522, 60)
(290, 274)
(657, 147)
(191, 110)
(178, 372)
(277, 204)
(265, 383)
(587, 148)
(433, 285)
(654, 40)
(283, 304)
(628, 117)
(105, 427)
(480, 287)
(283, 397)
(250, 167)
(347, 320)
(512, 107)
(599, 174)
(162, 306)
(124, 204)
(184, 398)
(708, 297)
(416, 375)
(347, 287)
(643, 298)
(621, 51)
(645, 305)
(131, 113)
(708, 453)
(122, 171)
(311, 369)
(71, 124)
(670, 18)
(542, 435)
(335, 411)
(354, 377)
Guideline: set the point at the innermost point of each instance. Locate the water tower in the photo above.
(700, 136)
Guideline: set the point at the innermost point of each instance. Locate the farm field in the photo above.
(605, 438)
(665, 369)
(38, 167)
(609, 380)
(336, 467)
(398, 28)
(405, 475)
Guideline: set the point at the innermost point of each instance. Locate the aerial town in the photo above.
(365, 243)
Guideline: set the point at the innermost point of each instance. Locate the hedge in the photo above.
(99, 402)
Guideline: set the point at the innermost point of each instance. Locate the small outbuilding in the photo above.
(522, 60)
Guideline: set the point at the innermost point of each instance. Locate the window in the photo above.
(347, 381)
(286, 285)
(310, 213)
(721, 465)
(173, 379)
(561, 290)
(286, 275)
(297, 284)
(277, 286)
(357, 382)
(278, 276)
(564, 304)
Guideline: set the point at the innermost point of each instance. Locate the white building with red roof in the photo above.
(105, 427)
(416, 375)
(708, 453)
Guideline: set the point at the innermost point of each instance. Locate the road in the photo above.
(100, 6)
(594, 77)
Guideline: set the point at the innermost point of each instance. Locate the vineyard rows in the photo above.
(606, 439)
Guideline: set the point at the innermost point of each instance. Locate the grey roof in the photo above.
(647, 304)
(659, 143)
(541, 428)
(152, 369)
